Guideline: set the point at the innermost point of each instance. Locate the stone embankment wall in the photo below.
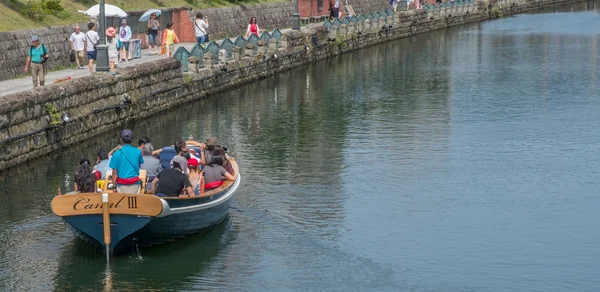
(102, 102)
(233, 21)
(14, 46)
(366, 6)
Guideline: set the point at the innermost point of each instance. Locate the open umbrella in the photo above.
(109, 10)
(147, 14)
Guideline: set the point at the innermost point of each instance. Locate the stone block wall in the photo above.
(366, 6)
(101, 102)
(14, 46)
(233, 21)
(94, 103)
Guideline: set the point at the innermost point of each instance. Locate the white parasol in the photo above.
(109, 10)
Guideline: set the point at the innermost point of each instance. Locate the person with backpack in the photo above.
(91, 41)
(37, 56)
(125, 164)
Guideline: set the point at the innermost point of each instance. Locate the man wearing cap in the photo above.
(124, 38)
(125, 164)
(78, 46)
(37, 56)
(91, 40)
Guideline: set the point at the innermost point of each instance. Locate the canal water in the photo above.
(460, 160)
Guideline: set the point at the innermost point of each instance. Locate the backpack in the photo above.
(44, 59)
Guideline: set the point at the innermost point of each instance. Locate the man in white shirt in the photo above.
(78, 46)
(201, 28)
(91, 40)
(124, 38)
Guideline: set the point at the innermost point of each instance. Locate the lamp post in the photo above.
(296, 18)
(102, 48)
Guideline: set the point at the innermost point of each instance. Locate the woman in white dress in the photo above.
(111, 42)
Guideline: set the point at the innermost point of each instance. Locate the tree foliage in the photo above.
(39, 9)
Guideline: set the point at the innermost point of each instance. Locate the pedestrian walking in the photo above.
(78, 46)
(253, 28)
(394, 4)
(91, 41)
(153, 27)
(169, 38)
(37, 56)
(124, 38)
(111, 42)
(201, 28)
(336, 8)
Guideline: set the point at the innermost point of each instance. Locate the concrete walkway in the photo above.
(21, 84)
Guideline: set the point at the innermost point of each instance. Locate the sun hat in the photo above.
(35, 38)
(212, 142)
(111, 32)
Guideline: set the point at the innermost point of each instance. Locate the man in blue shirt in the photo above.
(125, 164)
(37, 56)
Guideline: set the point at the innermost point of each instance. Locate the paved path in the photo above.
(20, 84)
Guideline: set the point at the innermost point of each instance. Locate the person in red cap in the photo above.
(194, 175)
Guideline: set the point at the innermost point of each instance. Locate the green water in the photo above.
(461, 160)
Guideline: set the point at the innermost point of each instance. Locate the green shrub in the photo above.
(53, 7)
(39, 9)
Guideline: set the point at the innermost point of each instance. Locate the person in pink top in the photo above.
(252, 28)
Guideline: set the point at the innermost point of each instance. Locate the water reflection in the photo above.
(161, 268)
(456, 160)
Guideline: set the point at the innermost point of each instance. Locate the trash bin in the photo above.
(136, 48)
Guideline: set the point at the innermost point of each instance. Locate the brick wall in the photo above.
(185, 27)
(233, 21)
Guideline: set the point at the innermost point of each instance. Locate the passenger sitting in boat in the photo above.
(102, 163)
(143, 141)
(179, 148)
(210, 145)
(213, 173)
(171, 183)
(198, 156)
(85, 181)
(151, 164)
(220, 151)
(194, 175)
(125, 164)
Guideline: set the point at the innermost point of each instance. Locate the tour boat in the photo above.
(142, 219)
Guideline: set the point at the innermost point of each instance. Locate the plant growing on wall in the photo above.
(53, 113)
(340, 41)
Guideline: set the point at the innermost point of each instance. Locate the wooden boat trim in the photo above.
(166, 210)
(213, 192)
(119, 203)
